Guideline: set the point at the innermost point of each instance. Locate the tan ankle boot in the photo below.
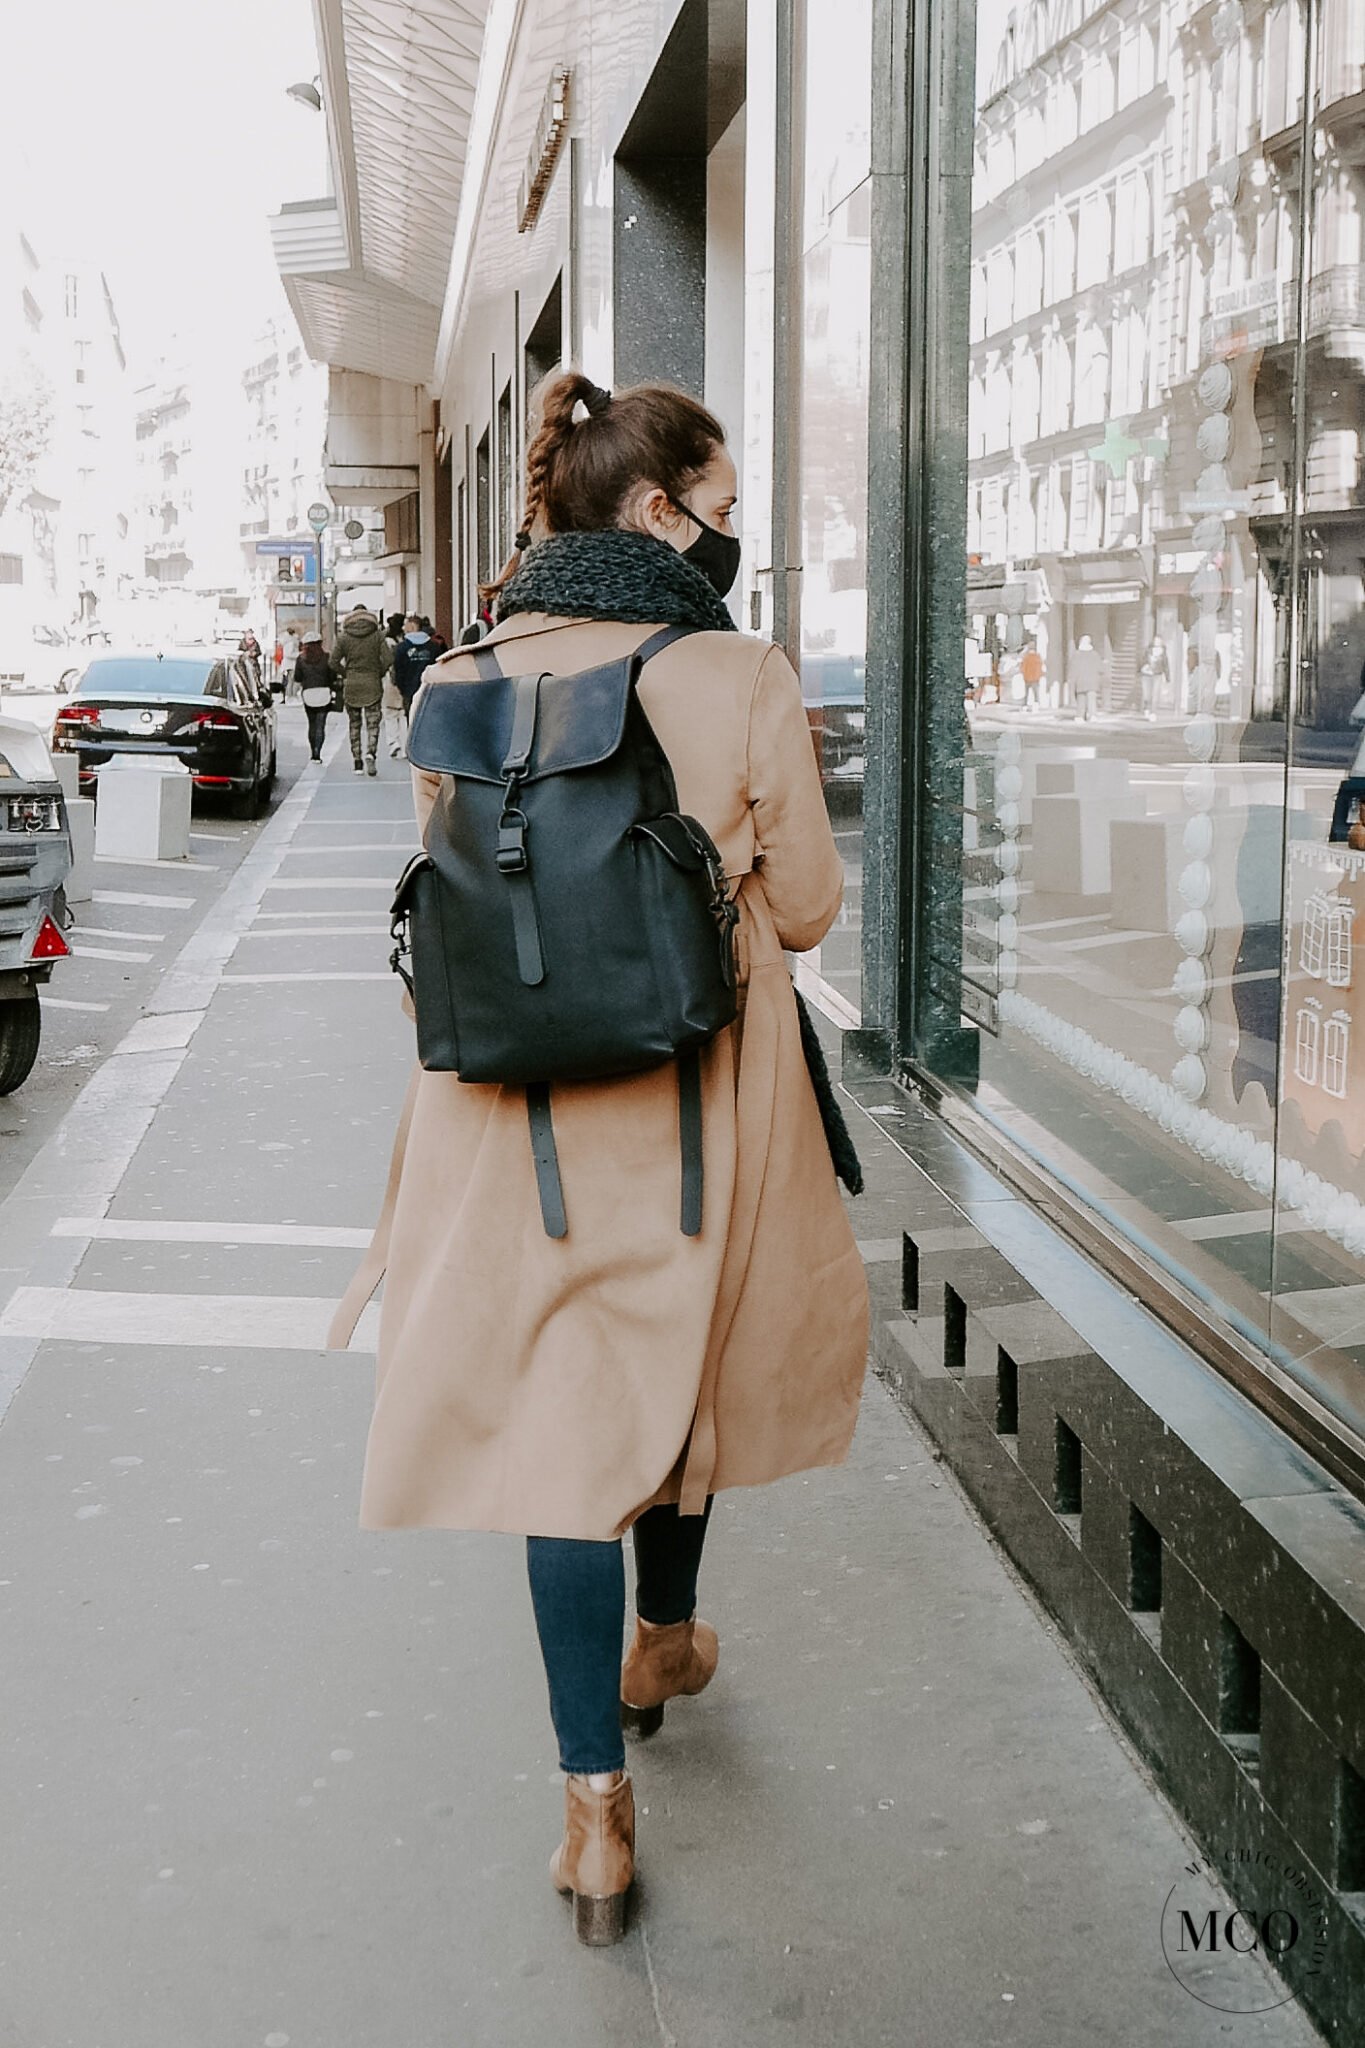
(596, 1859)
(664, 1660)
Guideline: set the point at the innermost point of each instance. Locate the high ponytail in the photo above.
(583, 467)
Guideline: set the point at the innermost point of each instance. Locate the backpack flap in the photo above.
(465, 729)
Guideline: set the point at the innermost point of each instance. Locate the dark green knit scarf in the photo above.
(630, 577)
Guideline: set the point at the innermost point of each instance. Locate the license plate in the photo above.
(140, 722)
(33, 813)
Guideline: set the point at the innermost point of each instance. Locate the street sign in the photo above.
(353, 529)
(318, 515)
(285, 547)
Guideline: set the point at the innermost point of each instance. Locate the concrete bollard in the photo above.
(67, 769)
(80, 816)
(144, 810)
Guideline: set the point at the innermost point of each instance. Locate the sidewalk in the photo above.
(267, 1780)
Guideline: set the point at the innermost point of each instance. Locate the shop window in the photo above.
(1336, 1047)
(1307, 1040)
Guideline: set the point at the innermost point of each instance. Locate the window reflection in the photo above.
(1164, 669)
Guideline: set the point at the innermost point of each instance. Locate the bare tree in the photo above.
(26, 421)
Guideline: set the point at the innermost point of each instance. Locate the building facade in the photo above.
(67, 550)
(1039, 334)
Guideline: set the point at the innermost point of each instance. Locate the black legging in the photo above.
(578, 1590)
(317, 726)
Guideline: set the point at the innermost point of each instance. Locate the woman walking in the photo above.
(617, 1377)
(313, 679)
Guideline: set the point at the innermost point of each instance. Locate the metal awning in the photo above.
(366, 268)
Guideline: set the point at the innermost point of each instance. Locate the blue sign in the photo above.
(287, 547)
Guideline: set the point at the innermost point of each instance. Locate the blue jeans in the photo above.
(578, 1591)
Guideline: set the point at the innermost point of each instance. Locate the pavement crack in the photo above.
(667, 2037)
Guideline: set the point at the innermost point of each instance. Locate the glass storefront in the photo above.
(1157, 779)
(836, 297)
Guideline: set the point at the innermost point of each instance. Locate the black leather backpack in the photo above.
(565, 922)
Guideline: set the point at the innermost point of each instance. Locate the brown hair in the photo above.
(580, 474)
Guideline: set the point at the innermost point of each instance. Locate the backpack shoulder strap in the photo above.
(486, 662)
(665, 637)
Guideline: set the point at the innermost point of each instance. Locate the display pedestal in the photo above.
(1146, 859)
(1071, 842)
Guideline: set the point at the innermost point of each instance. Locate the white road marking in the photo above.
(145, 902)
(322, 910)
(824, 997)
(84, 1161)
(231, 1322)
(334, 882)
(320, 931)
(108, 953)
(877, 1251)
(1243, 1223)
(123, 860)
(254, 980)
(359, 846)
(138, 1230)
(107, 931)
(64, 1003)
(161, 1034)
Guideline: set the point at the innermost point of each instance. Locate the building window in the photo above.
(1339, 946)
(483, 508)
(1336, 1047)
(1307, 1036)
(507, 476)
(11, 568)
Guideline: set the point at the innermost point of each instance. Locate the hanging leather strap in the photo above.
(487, 663)
(689, 1137)
(526, 704)
(546, 1159)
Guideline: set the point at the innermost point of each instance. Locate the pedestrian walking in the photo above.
(312, 677)
(439, 644)
(290, 649)
(619, 1374)
(360, 661)
(1152, 678)
(1085, 676)
(1031, 669)
(413, 654)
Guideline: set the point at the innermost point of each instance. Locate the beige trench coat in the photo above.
(559, 1387)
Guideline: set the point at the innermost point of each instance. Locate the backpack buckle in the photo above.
(512, 857)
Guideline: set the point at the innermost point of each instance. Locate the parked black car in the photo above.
(200, 705)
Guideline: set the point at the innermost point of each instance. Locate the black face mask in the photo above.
(715, 553)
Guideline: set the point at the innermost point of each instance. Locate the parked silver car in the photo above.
(35, 860)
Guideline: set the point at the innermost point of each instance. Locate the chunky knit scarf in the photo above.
(629, 577)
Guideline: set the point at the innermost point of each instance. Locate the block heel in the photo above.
(641, 1722)
(599, 1922)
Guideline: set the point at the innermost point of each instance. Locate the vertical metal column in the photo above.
(788, 324)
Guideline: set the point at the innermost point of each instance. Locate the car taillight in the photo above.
(49, 943)
(72, 715)
(227, 718)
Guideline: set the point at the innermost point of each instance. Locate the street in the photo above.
(270, 1780)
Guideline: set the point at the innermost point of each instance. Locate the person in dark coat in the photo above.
(313, 680)
(360, 661)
